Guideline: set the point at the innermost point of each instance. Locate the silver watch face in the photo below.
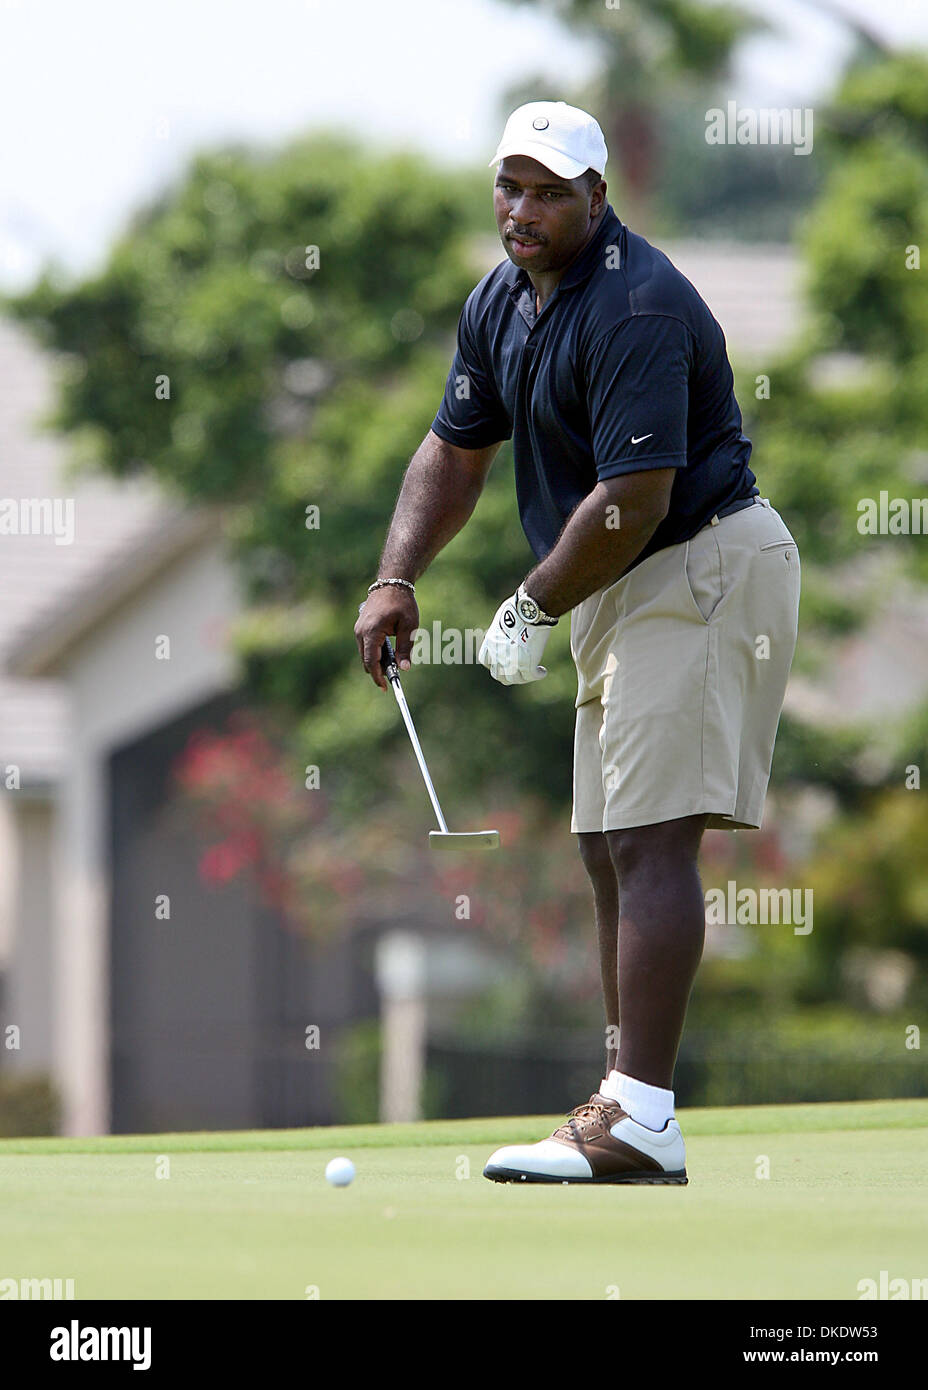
(528, 609)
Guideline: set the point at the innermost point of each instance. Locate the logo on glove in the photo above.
(514, 642)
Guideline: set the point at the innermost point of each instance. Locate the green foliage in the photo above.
(295, 386)
(806, 1056)
(874, 210)
(28, 1105)
(872, 871)
(211, 287)
(357, 1077)
(826, 757)
(884, 99)
(827, 438)
(356, 1087)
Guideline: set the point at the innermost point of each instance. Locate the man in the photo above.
(609, 373)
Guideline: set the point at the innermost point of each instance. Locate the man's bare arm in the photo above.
(439, 493)
(438, 496)
(592, 551)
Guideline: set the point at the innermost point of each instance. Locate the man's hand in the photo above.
(512, 647)
(388, 612)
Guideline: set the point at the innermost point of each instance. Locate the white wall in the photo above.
(27, 996)
(118, 691)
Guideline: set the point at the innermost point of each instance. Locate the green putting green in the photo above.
(250, 1215)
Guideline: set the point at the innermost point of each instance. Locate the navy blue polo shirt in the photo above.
(624, 369)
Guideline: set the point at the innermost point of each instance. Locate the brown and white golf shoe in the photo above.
(599, 1143)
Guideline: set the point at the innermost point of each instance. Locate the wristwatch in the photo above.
(529, 611)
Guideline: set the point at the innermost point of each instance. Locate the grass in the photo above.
(250, 1216)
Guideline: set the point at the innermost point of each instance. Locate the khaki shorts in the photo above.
(681, 671)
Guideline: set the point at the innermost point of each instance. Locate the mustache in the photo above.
(519, 236)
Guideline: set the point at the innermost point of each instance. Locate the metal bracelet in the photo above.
(382, 583)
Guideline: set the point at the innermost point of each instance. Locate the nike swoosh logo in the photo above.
(641, 437)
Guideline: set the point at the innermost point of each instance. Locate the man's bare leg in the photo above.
(650, 923)
(594, 851)
(650, 920)
(662, 923)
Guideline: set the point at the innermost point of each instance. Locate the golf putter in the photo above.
(443, 838)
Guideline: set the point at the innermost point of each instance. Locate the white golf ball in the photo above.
(339, 1172)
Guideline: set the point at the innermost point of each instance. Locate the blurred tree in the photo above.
(847, 414)
(750, 193)
(273, 335)
(650, 51)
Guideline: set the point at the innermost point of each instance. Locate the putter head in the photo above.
(468, 839)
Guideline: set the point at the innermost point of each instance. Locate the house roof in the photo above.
(51, 593)
(123, 570)
(753, 290)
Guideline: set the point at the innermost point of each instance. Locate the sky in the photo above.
(104, 101)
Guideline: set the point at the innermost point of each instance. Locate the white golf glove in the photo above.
(515, 640)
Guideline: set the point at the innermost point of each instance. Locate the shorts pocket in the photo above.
(702, 571)
(777, 545)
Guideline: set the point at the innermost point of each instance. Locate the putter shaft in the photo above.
(443, 838)
(391, 671)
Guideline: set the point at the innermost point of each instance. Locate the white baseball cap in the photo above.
(563, 138)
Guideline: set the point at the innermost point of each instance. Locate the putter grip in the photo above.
(388, 660)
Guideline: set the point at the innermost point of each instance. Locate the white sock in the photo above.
(647, 1105)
